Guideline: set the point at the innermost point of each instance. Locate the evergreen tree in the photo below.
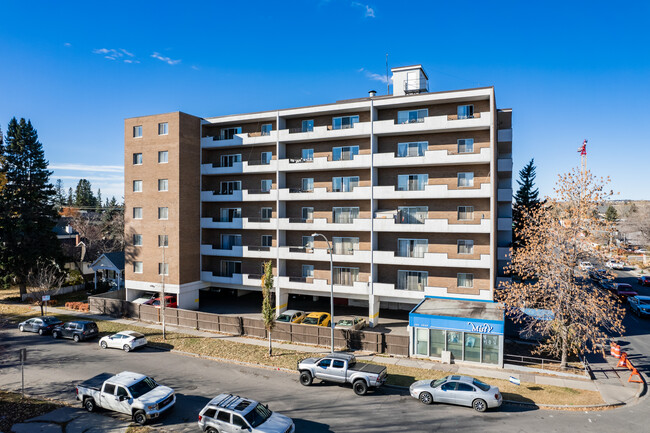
(84, 196)
(3, 176)
(98, 203)
(27, 216)
(526, 200)
(268, 312)
(59, 195)
(70, 200)
(611, 214)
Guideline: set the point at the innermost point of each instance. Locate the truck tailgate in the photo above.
(97, 381)
(367, 368)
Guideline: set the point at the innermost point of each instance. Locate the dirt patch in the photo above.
(15, 409)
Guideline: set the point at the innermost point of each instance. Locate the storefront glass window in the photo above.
(421, 341)
(491, 349)
(472, 347)
(436, 342)
(455, 344)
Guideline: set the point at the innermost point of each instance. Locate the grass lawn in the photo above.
(15, 409)
(397, 375)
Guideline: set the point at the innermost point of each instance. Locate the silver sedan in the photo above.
(460, 390)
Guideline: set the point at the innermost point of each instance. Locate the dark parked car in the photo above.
(78, 330)
(644, 280)
(43, 325)
(623, 291)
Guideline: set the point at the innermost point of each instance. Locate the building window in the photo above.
(267, 240)
(137, 159)
(344, 184)
(345, 276)
(465, 111)
(345, 122)
(230, 160)
(412, 280)
(266, 185)
(307, 184)
(455, 344)
(137, 267)
(472, 347)
(229, 187)
(163, 241)
(421, 336)
(267, 128)
(466, 145)
(230, 241)
(137, 213)
(412, 247)
(137, 131)
(308, 154)
(308, 242)
(466, 179)
(416, 148)
(412, 116)
(162, 157)
(266, 213)
(490, 349)
(163, 213)
(412, 182)
(163, 128)
(163, 184)
(307, 125)
(266, 158)
(465, 213)
(228, 214)
(345, 245)
(344, 153)
(229, 133)
(436, 342)
(465, 280)
(137, 186)
(308, 271)
(163, 268)
(465, 247)
(345, 215)
(307, 213)
(412, 214)
(230, 268)
(137, 240)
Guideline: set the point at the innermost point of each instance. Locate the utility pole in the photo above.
(164, 270)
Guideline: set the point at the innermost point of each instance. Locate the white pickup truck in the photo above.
(134, 394)
(342, 368)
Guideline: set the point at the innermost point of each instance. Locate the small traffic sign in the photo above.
(23, 355)
(46, 298)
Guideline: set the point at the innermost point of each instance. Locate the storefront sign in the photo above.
(483, 329)
(456, 324)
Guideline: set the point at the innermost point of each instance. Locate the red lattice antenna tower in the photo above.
(583, 156)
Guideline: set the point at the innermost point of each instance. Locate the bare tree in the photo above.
(559, 235)
(44, 279)
(637, 222)
(268, 312)
(100, 233)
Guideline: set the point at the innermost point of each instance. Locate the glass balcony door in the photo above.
(228, 133)
(412, 116)
(411, 149)
(345, 245)
(344, 184)
(229, 268)
(345, 215)
(228, 214)
(412, 247)
(230, 241)
(412, 214)
(230, 186)
(307, 213)
(230, 160)
(344, 122)
(411, 280)
(344, 153)
(345, 276)
(412, 182)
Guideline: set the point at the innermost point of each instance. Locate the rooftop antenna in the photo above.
(583, 156)
(387, 82)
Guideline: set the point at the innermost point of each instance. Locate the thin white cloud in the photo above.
(93, 178)
(85, 167)
(67, 44)
(167, 60)
(369, 12)
(196, 68)
(377, 77)
(113, 54)
(127, 53)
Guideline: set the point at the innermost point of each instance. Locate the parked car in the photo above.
(170, 301)
(585, 265)
(460, 390)
(597, 274)
(615, 264)
(146, 297)
(352, 324)
(291, 316)
(342, 368)
(317, 319)
(623, 291)
(231, 413)
(43, 325)
(125, 340)
(639, 305)
(131, 393)
(644, 280)
(77, 330)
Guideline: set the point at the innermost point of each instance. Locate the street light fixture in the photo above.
(329, 246)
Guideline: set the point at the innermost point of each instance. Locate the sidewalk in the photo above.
(610, 381)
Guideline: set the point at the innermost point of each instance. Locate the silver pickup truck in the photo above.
(342, 368)
(131, 393)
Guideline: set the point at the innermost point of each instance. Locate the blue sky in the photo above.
(569, 70)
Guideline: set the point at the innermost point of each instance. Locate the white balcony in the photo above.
(252, 280)
(503, 253)
(504, 135)
(214, 196)
(257, 195)
(322, 255)
(444, 123)
(208, 276)
(326, 133)
(238, 223)
(432, 157)
(242, 139)
(431, 226)
(239, 251)
(504, 224)
(431, 259)
(299, 285)
(322, 164)
(385, 290)
(504, 164)
(241, 167)
(240, 195)
(321, 224)
(358, 193)
(432, 191)
(504, 194)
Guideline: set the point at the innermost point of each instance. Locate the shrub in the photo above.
(79, 306)
(74, 278)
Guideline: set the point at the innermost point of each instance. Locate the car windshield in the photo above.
(644, 301)
(310, 321)
(436, 383)
(258, 415)
(141, 388)
(283, 318)
(345, 322)
(49, 320)
(481, 385)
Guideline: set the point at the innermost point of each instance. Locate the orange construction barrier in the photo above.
(617, 351)
(635, 373)
(612, 346)
(623, 362)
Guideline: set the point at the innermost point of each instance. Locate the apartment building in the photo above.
(413, 191)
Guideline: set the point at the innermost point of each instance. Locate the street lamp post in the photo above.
(329, 246)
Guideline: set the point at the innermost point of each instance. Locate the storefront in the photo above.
(468, 331)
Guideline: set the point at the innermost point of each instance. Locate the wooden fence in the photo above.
(371, 341)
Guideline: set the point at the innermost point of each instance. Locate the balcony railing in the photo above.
(258, 220)
(299, 130)
(259, 248)
(414, 120)
(301, 250)
(255, 276)
(416, 86)
(299, 279)
(259, 134)
(299, 160)
(300, 220)
(219, 192)
(259, 191)
(471, 116)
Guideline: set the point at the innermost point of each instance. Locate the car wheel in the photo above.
(89, 404)
(211, 430)
(360, 387)
(305, 378)
(41, 332)
(479, 405)
(139, 417)
(103, 345)
(127, 348)
(55, 334)
(76, 338)
(426, 398)
(21, 328)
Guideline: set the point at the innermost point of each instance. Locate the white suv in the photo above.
(227, 413)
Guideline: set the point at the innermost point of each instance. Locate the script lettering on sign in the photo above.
(484, 329)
